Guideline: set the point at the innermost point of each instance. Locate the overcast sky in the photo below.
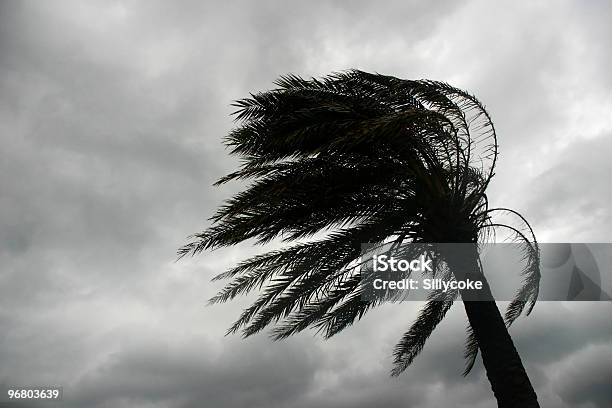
(111, 116)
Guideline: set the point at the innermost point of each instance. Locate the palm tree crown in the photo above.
(347, 159)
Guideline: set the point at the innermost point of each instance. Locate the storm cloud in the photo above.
(111, 119)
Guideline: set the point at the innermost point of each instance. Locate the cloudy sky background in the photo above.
(111, 115)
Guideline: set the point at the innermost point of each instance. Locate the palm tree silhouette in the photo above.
(358, 158)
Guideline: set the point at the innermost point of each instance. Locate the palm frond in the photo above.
(471, 351)
(413, 341)
(522, 234)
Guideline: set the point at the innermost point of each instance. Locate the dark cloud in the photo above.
(576, 185)
(111, 115)
(585, 377)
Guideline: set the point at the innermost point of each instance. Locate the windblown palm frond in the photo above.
(413, 341)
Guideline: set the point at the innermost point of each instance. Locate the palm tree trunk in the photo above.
(505, 371)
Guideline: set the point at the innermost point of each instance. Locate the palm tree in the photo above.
(357, 158)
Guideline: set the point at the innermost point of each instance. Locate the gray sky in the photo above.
(111, 115)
